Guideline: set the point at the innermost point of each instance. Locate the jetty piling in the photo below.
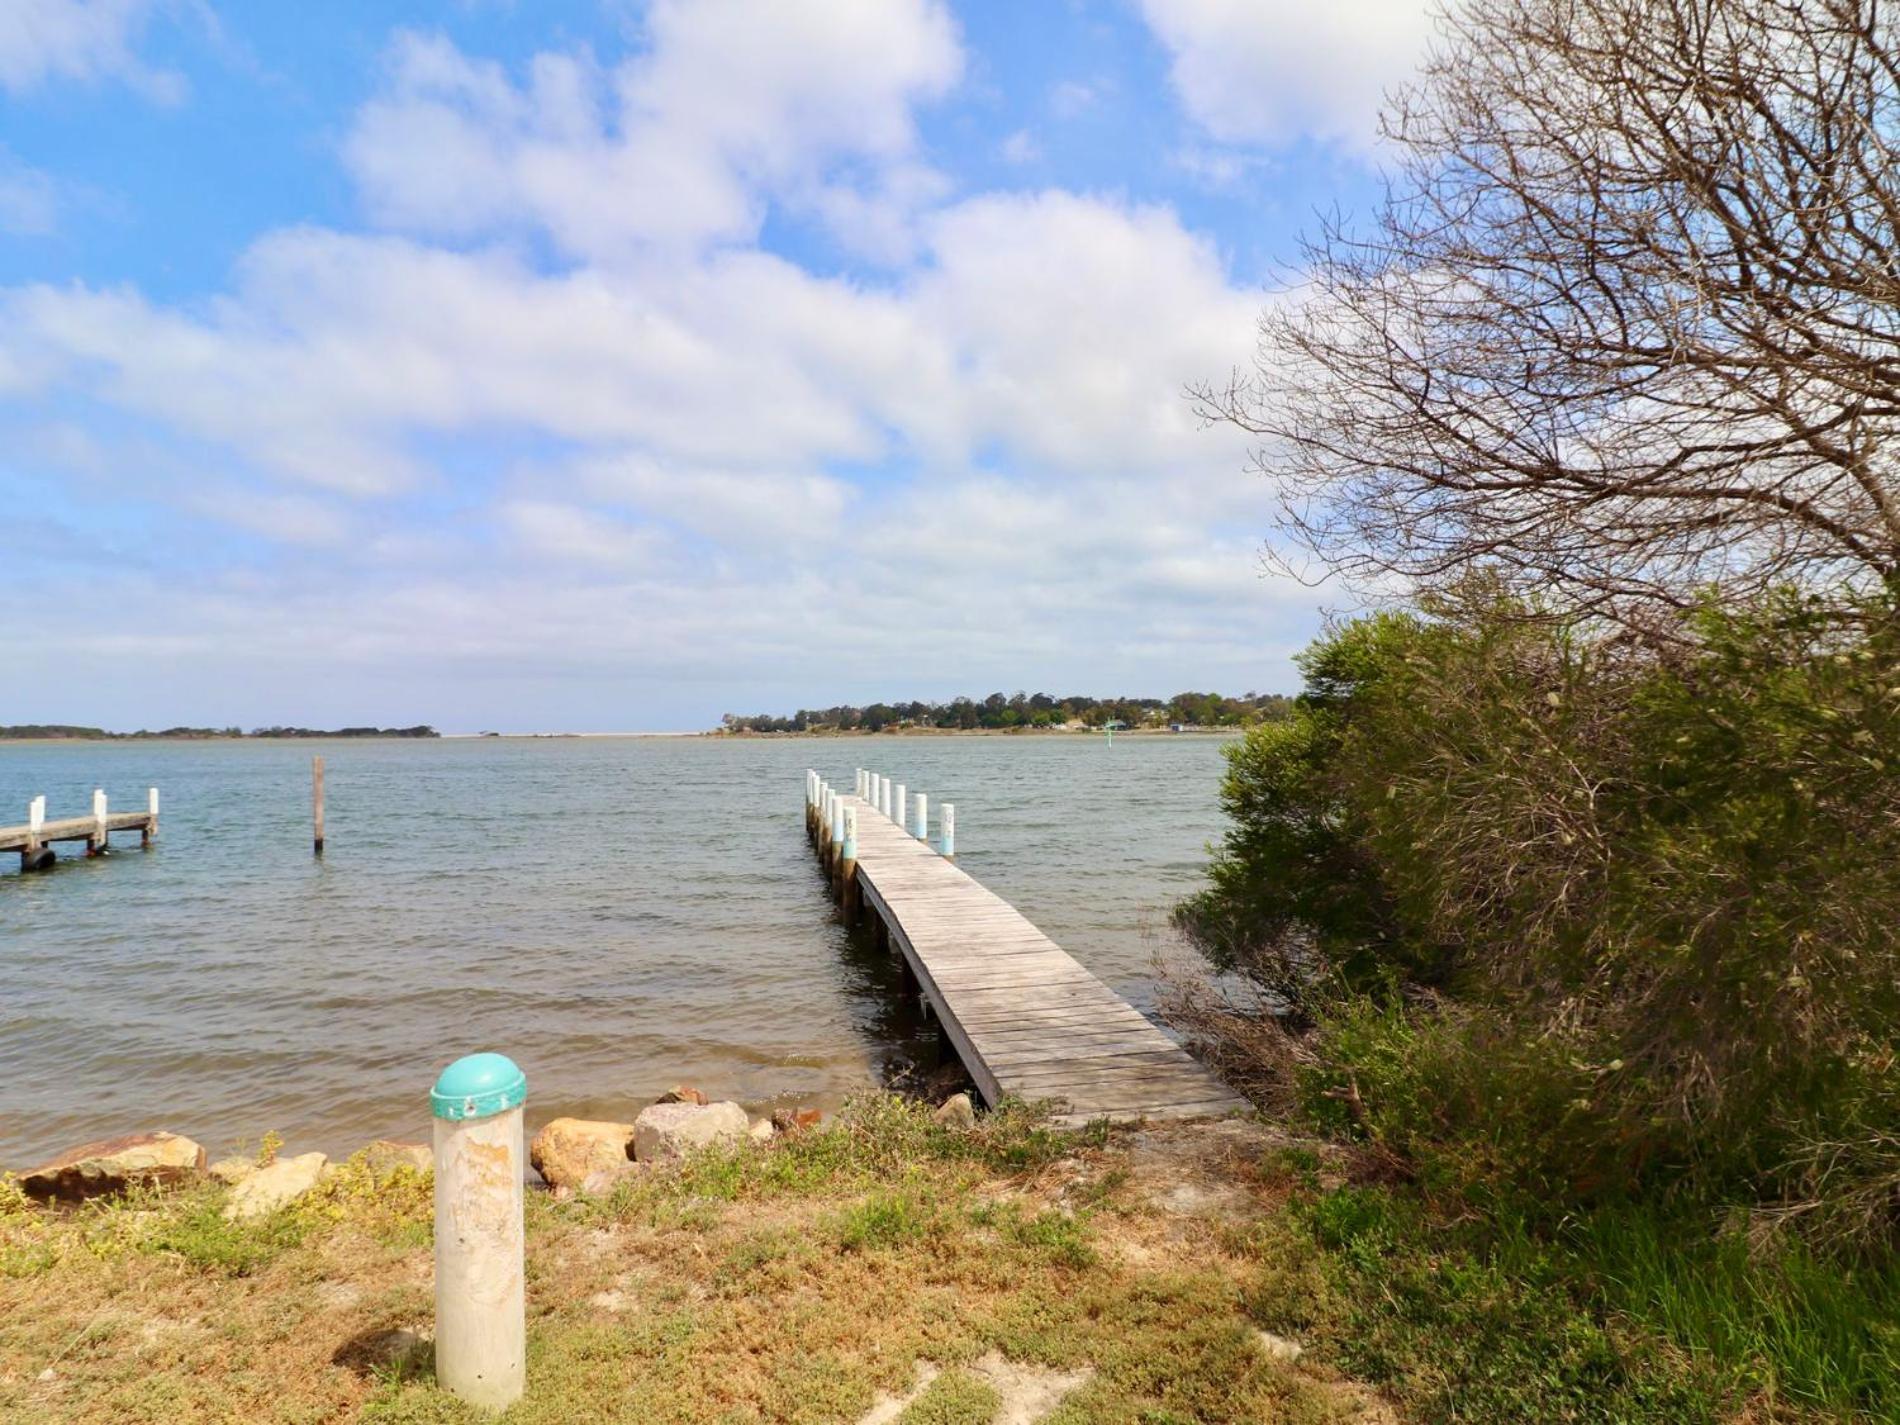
(34, 838)
(1021, 1013)
(923, 817)
(848, 865)
(316, 803)
(902, 803)
(947, 820)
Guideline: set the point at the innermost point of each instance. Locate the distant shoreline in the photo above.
(821, 734)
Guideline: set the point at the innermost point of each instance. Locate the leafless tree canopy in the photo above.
(1628, 324)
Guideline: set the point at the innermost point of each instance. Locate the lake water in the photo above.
(617, 914)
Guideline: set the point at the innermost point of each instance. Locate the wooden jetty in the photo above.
(34, 840)
(1025, 1017)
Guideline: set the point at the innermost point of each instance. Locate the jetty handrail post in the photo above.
(948, 821)
(151, 817)
(902, 804)
(35, 822)
(835, 849)
(848, 866)
(96, 843)
(480, 1241)
(316, 803)
(884, 797)
(923, 818)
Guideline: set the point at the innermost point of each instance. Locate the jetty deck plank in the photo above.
(1027, 1018)
(72, 828)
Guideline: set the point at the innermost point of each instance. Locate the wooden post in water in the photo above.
(316, 801)
(835, 846)
(949, 824)
(96, 843)
(151, 814)
(35, 822)
(848, 867)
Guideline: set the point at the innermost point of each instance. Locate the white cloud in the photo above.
(1021, 147)
(734, 103)
(705, 449)
(1274, 71)
(29, 199)
(84, 40)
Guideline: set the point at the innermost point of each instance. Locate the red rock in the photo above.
(115, 1164)
(683, 1093)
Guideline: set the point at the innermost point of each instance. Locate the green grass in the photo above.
(954, 1398)
(1623, 1316)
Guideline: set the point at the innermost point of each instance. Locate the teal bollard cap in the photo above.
(478, 1086)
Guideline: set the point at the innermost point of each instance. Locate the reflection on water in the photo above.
(618, 914)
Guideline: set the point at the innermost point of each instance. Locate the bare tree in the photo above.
(1627, 325)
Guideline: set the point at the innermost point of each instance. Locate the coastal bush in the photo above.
(1579, 920)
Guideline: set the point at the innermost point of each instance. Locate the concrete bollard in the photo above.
(96, 843)
(923, 818)
(902, 803)
(480, 1319)
(948, 821)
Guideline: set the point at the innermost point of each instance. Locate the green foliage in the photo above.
(200, 1233)
(885, 1219)
(1578, 921)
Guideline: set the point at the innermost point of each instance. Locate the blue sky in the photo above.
(607, 365)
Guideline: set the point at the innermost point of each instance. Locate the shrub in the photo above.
(1611, 918)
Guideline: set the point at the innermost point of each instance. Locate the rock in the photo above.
(270, 1188)
(787, 1120)
(567, 1151)
(1278, 1348)
(232, 1171)
(672, 1130)
(761, 1130)
(115, 1164)
(956, 1112)
(682, 1093)
(384, 1157)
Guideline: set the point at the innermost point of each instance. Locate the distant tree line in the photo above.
(26, 730)
(1038, 710)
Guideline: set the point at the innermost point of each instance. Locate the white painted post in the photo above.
(923, 817)
(480, 1320)
(97, 846)
(884, 805)
(151, 810)
(949, 821)
(903, 807)
(35, 822)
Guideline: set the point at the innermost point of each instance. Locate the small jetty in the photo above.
(34, 840)
(1024, 1015)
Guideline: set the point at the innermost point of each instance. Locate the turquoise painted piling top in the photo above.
(478, 1086)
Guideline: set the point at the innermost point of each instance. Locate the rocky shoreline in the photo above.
(571, 1155)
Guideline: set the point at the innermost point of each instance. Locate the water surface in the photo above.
(617, 914)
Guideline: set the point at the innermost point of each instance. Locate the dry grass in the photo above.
(787, 1283)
